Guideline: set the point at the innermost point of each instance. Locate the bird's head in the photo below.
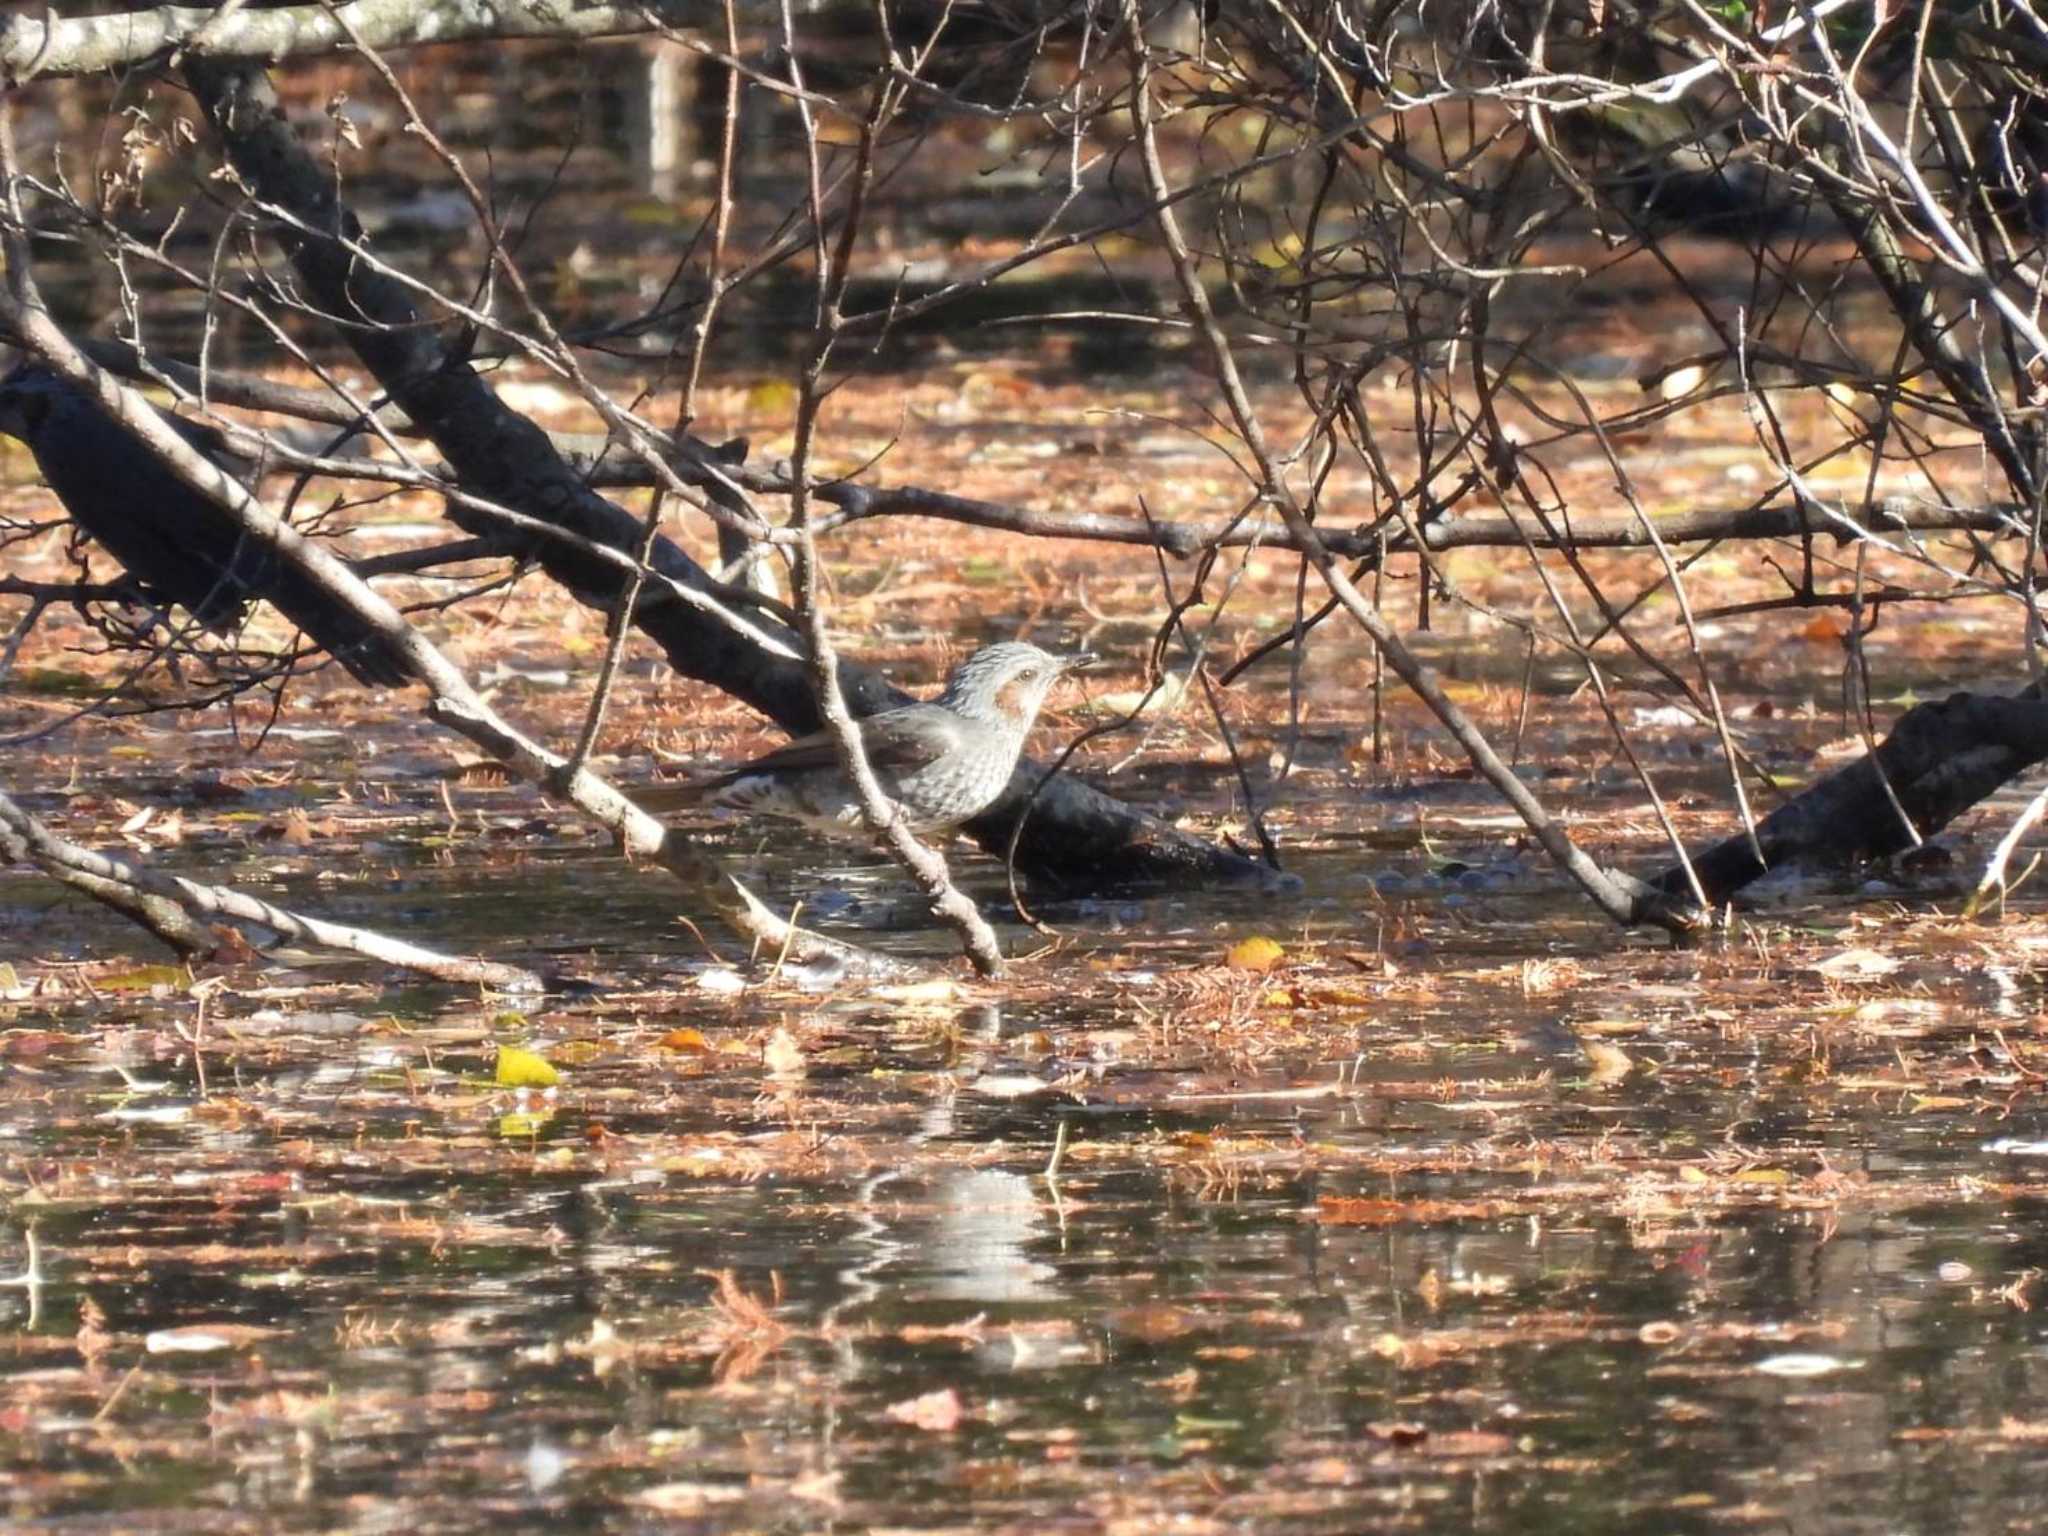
(1007, 682)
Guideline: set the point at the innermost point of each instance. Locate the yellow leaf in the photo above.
(144, 978)
(683, 1040)
(1274, 255)
(772, 395)
(524, 1069)
(524, 1125)
(1337, 995)
(1256, 954)
(838, 132)
(1762, 1176)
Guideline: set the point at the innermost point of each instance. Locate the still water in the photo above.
(1383, 1243)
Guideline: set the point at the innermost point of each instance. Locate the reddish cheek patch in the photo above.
(1010, 697)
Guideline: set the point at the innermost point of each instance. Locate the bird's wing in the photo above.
(898, 741)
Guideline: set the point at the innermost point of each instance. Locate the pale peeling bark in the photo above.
(38, 41)
(182, 912)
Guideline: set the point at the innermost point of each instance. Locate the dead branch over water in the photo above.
(1412, 227)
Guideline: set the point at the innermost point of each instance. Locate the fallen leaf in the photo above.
(1610, 1064)
(1254, 954)
(203, 1339)
(144, 978)
(690, 1040)
(782, 1055)
(1804, 1365)
(684, 1501)
(940, 1411)
(1857, 964)
(519, 1068)
(1398, 1431)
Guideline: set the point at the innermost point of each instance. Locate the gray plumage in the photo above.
(943, 761)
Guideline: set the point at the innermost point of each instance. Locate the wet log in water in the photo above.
(1939, 760)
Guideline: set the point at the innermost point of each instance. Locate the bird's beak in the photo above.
(1079, 660)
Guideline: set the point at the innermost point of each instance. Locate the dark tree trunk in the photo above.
(1076, 836)
(1939, 760)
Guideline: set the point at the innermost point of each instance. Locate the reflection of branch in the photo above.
(178, 910)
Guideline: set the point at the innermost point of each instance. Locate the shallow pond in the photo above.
(1465, 1213)
(1465, 1216)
